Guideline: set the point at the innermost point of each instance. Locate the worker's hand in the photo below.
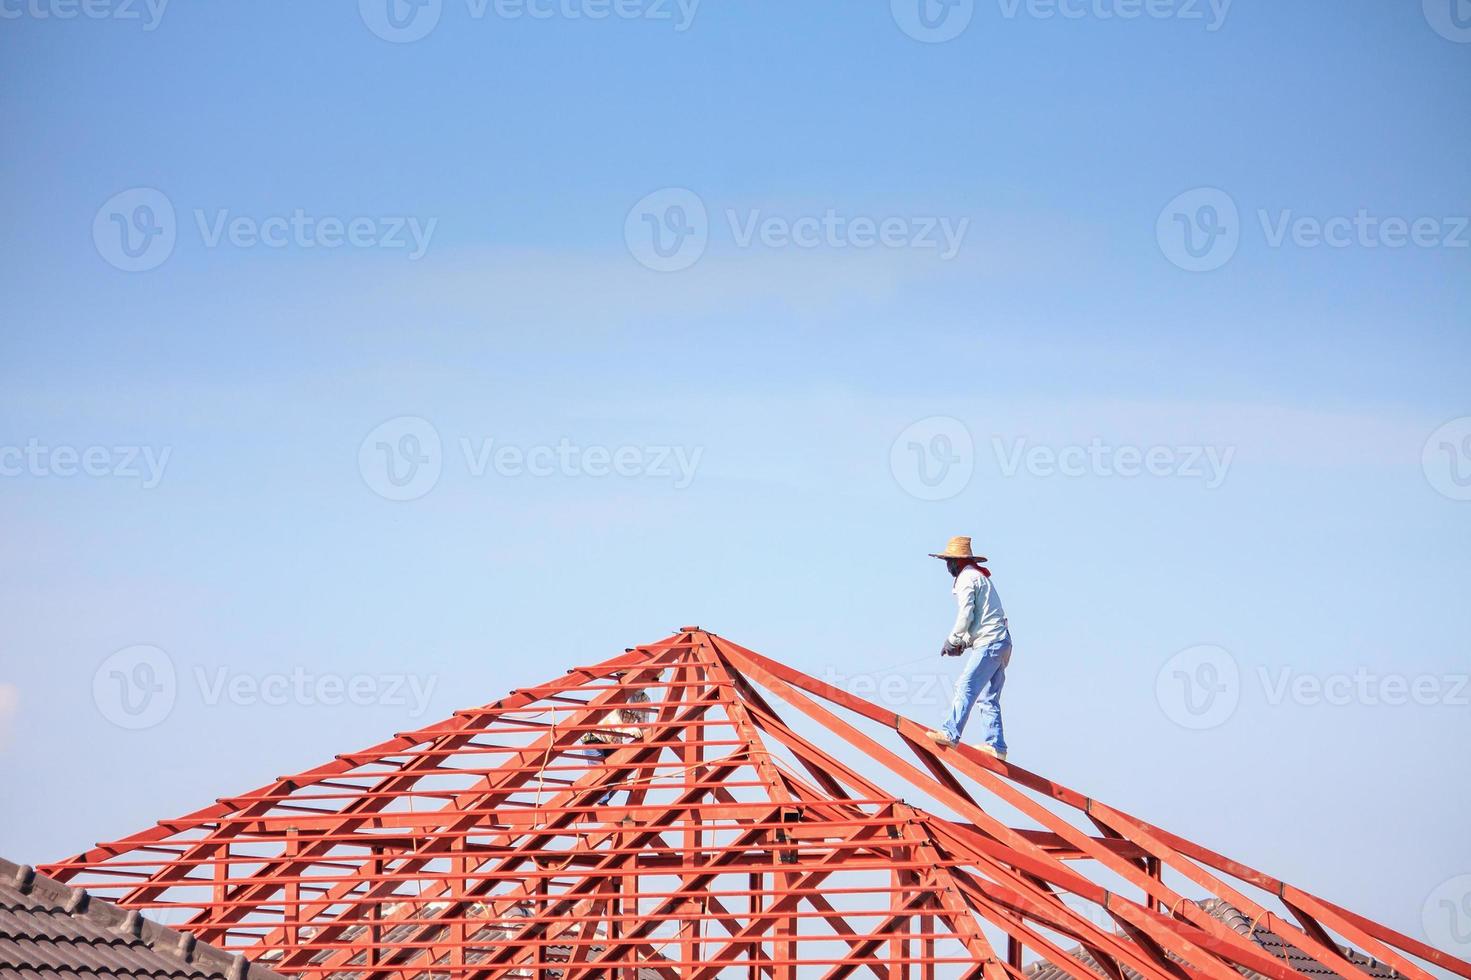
(1006, 659)
(949, 650)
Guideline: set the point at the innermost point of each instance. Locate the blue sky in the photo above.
(1328, 380)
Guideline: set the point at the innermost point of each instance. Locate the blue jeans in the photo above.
(601, 755)
(980, 684)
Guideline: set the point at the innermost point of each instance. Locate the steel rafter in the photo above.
(738, 844)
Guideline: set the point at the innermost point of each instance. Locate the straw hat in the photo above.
(959, 547)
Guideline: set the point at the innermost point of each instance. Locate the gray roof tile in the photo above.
(49, 931)
(1232, 917)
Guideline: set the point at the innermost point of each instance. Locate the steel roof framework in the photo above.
(478, 847)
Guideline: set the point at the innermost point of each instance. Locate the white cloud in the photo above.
(9, 705)
(608, 289)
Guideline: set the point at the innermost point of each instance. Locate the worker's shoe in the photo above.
(991, 751)
(940, 738)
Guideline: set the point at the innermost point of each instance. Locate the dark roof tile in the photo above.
(49, 931)
(1233, 918)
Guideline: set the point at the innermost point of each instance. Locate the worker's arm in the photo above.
(966, 600)
(632, 724)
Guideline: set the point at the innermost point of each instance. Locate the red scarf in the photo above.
(976, 564)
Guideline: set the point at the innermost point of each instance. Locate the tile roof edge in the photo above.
(180, 944)
(1229, 915)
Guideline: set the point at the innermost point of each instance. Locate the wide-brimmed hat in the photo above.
(959, 547)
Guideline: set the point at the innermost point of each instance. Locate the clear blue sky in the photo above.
(1331, 547)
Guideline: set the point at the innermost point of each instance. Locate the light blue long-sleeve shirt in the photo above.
(980, 619)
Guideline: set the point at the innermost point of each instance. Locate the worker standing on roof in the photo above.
(621, 725)
(981, 629)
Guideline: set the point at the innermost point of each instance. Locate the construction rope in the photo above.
(546, 757)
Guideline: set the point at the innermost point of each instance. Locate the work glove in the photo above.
(950, 650)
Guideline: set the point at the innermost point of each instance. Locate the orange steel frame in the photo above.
(480, 847)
